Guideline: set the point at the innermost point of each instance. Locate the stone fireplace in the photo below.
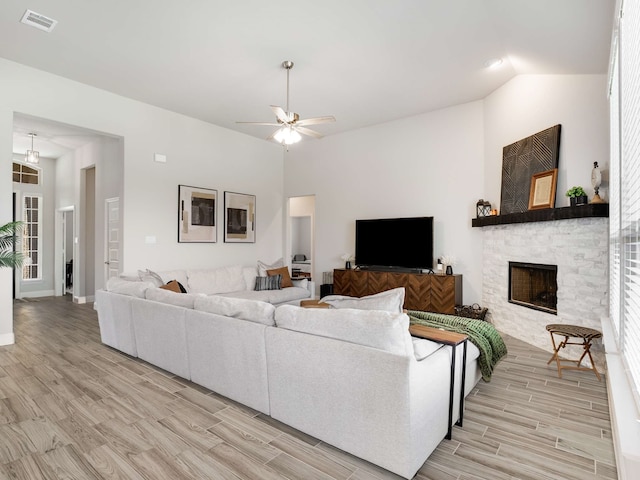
(534, 285)
(577, 247)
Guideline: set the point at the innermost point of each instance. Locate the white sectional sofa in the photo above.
(352, 378)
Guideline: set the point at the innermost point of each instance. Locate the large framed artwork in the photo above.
(521, 161)
(239, 218)
(197, 214)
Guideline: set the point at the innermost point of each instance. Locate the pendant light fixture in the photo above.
(32, 156)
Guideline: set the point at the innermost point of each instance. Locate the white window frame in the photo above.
(22, 174)
(28, 235)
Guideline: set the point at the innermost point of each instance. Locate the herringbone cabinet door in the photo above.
(443, 293)
(417, 289)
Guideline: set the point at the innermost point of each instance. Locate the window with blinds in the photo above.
(625, 191)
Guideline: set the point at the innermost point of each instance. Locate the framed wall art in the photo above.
(542, 193)
(239, 218)
(197, 214)
(522, 159)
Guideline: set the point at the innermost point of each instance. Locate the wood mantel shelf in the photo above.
(545, 215)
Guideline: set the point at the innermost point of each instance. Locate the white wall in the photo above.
(442, 162)
(427, 165)
(6, 215)
(198, 153)
(531, 103)
(301, 236)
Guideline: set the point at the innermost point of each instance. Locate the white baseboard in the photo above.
(38, 294)
(7, 339)
(87, 299)
(625, 418)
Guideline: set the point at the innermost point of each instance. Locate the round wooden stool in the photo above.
(573, 331)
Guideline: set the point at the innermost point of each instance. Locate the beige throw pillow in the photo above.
(286, 278)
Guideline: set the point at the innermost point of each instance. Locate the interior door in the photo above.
(112, 238)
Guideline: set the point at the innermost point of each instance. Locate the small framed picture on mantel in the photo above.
(542, 193)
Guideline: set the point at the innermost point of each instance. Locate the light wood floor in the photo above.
(73, 408)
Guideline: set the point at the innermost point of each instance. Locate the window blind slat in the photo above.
(624, 221)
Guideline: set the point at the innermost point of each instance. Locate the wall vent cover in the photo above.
(38, 21)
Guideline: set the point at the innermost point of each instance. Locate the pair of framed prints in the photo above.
(197, 216)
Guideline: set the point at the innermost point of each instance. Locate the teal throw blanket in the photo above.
(482, 334)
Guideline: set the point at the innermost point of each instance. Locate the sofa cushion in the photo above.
(373, 328)
(251, 310)
(149, 276)
(177, 275)
(268, 283)
(389, 301)
(422, 347)
(274, 297)
(249, 274)
(284, 273)
(263, 267)
(172, 298)
(126, 287)
(216, 280)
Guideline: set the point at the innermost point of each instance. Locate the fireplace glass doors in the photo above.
(534, 285)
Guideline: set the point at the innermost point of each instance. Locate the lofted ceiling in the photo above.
(363, 61)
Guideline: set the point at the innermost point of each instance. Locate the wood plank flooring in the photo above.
(72, 408)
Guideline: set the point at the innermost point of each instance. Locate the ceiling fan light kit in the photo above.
(289, 122)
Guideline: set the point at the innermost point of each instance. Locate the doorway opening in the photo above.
(301, 236)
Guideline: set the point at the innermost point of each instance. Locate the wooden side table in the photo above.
(573, 331)
(452, 339)
(313, 304)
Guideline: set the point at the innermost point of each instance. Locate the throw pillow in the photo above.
(389, 301)
(301, 283)
(268, 283)
(174, 286)
(149, 276)
(286, 278)
(263, 267)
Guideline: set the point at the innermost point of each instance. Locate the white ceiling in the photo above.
(52, 140)
(363, 61)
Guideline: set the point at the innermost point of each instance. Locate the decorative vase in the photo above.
(449, 270)
(347, 265)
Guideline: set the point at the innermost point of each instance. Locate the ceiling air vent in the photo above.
(38, 21)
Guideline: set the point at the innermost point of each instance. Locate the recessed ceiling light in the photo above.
(493, 63)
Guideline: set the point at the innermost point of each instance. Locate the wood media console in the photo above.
(423, 291)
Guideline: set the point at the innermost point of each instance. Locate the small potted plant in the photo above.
(577, 196)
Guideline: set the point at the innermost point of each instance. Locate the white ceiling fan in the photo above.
(289, 122)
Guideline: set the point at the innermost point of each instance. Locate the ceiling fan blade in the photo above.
(308, 131)
(260, 123)
(280, 113)
(316, 120)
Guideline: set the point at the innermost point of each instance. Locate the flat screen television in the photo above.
(395, 243)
